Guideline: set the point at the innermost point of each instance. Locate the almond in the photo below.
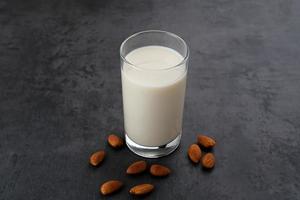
(97, 157)
(208, 160)
(110, 187)
(141, 189)
(159, 170)
(194, 153)
(137, 167)
(115, 141)
(206, 141)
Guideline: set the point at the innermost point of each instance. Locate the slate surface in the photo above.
(60, 95)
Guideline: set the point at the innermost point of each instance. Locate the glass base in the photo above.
(153, 152)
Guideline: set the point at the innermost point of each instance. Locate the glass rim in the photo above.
(185, 58)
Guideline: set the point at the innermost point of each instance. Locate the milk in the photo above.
(153, 95)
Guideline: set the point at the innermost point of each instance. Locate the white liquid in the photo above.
(153, 99)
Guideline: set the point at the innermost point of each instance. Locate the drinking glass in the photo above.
(154, 68)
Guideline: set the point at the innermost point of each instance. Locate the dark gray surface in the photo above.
(60, 95)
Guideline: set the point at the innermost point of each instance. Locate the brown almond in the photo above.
(137, 167)
(97, 157)
(208, 160)
(206, 141)
(141, 189)
(115, 141)
(110, 187)
(194, 153)
(159, 170)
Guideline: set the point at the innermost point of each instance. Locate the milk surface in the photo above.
(153, 95)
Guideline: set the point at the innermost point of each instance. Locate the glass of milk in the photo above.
(154, 68)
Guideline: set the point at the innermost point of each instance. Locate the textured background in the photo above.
(60, 95)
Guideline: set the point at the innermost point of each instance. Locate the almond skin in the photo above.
(115, 141)
(97, 157)
(194, 153)
(137, 167)
(206, 141)
(208, 161)
(110, 187)
(141, 189)
(159, 170)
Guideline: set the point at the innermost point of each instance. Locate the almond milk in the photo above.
(153, 95)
